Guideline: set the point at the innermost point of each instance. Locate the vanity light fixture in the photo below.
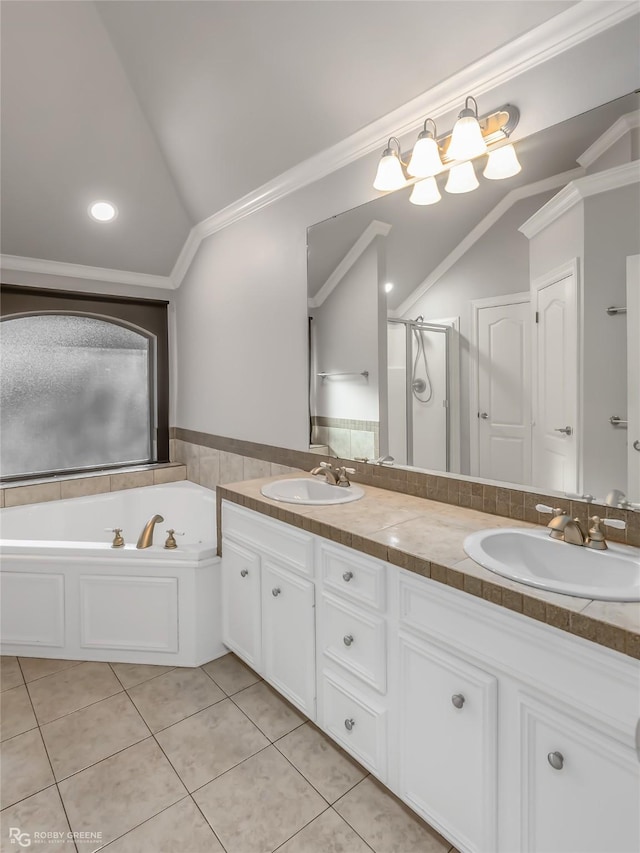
(467, 140)
(502, 163)
(425, 158)
(390, 175)
(472, 136)
(103, 211)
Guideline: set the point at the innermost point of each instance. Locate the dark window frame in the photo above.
(147, 315)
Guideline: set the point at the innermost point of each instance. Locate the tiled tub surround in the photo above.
(347, 438)
(425, 537)
(117, 749)
(213, 460)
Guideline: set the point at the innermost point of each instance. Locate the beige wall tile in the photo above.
(252, 469)
(280, 470)
(21, 495)
(231, 467)
(85, 486)
(1, 498)
(131, 480)
(172, 474)
(172, 449)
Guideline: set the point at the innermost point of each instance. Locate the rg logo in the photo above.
(17, 837)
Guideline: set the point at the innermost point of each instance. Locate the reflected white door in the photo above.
(555, 443)
(633, 377)
(503, 351)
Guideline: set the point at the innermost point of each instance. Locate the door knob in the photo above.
(275, 592)
(484, 415)
(556, 760)
(347, 639)
(566, 430)
(244, 573)
(457, 700)
(636, 445)
(349, 724)
(346, 577)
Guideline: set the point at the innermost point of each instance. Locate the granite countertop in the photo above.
(425, 537)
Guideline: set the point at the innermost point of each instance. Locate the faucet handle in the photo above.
(614, 522)
(118, 541)
(171, 543)
(549, 510)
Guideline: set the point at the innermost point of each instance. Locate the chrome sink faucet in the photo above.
(333, 476)
(145, 540)
(569, 530)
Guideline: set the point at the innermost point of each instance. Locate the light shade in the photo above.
(502, 163)
(467, 140)
(425, 192)
(103, 211)
(462, 178)
(390, 175)
(425, 158)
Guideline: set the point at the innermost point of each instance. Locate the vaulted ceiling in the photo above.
(175, 109)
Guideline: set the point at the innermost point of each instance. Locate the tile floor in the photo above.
(162, 760)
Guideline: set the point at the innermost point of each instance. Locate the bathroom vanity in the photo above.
(503, 732)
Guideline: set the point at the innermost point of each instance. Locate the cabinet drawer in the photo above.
(356, 640)
(359, 579)
(359, 726)
(291, 546)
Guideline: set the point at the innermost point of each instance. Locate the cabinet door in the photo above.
(580, 789)
(288, 614)
(448, 722)
(241, 623)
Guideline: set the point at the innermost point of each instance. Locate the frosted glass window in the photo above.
(75, 393)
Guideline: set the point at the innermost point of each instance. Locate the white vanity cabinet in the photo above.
(506, 735)
(268, 602)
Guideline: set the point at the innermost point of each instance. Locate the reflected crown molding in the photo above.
(60, 268)
(374, 229)
(480, 229)
(625, 124)
(577, 191)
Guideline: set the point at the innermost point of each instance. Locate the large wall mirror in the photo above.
(493, 334)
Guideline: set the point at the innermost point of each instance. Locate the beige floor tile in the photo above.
(91, 734)
(34, 668)
(172, 697)
(16, 713)
(330, 770)
(268, 710)
(178, 828)
(385, 823)
(72, 689)
(328, 833)
(259, 804)
(231, 674)
(10, 673)
(120, 792)
(42, 812)
(206, 744)
(24, 767)
(131, 674)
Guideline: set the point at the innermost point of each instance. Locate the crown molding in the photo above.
(374, 229)
(580, 22)
(577, 191)
(618, 129)
(480, 229)
(39, 265)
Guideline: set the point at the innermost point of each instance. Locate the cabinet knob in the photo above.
(275, 592)
(244, 573)
(556, 760)
(349, 724)
(457, 700)
(346, 577)
(347, 639)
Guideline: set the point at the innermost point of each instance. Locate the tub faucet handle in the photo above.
(170, 541)
(118, 541)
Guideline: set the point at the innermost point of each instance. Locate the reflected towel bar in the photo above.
(616, 421)
(613, 310)
(364, 373)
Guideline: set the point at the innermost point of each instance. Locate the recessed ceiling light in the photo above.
(103, 211)
(388, 287)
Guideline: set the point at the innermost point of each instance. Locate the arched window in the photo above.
(78, 392)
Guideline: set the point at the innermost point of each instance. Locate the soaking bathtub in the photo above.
(66, 593)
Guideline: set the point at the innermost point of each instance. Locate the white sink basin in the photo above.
(309, 490)
(533, 558)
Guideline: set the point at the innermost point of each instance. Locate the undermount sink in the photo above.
(533, 558)
(308, 490)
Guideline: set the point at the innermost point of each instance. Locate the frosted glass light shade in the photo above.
(425, 159)
(389, 175)
(502, 163)
(466, 140)
(425, 192)
(462, 178)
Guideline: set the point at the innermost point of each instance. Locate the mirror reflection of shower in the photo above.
(418, 392)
